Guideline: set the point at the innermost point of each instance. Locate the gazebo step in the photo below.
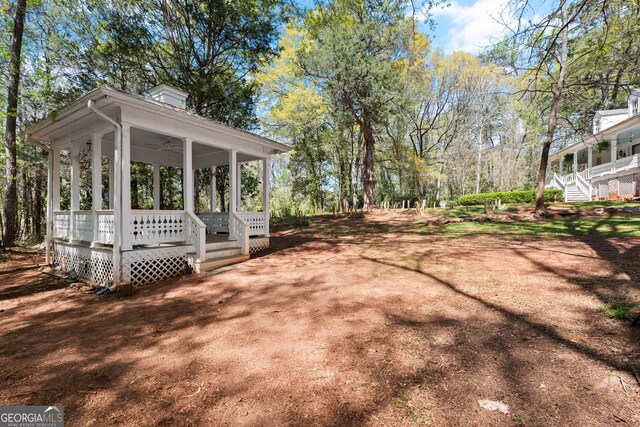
(222, 253)
(222, 245)
(221, 262)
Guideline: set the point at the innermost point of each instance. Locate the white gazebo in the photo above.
(116, 243)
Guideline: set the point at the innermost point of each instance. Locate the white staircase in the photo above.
(221, 252)
(574, 194)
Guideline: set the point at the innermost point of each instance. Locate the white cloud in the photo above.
(469, 28)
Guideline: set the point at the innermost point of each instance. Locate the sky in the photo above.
(467, 25)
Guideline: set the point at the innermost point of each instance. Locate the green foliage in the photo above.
(601, 146)
(618, 310)
(568, 158)
(523, 196)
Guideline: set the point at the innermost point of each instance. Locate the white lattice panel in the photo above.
(603, 189)
(613, 188)
(258, 244)
(626, 187)
(146, 266)
(89, 263)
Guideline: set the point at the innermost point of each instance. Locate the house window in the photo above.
(634, 106)
(596, 126)
(635, 149)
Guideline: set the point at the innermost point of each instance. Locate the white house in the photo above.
(116, 243)
(606, 165)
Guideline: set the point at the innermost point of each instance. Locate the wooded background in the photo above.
(373, 112)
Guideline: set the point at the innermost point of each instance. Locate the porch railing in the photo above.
(154, 227)
(216, 222)
(256, 221)
(197, 232)
(62, 225)
(239, 229)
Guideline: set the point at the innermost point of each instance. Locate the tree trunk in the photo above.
(368, 160)
(553, 112)
(10, 141)
(479, 163)
(196, 190)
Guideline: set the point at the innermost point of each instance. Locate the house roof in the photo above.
(612, 112)
(42, 128)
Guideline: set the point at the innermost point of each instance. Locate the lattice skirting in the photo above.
(257, 244)
(146, 266)
(89, 263)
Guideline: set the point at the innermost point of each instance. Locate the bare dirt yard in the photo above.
(377, 321)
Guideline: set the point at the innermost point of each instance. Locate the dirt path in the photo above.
(347, 322)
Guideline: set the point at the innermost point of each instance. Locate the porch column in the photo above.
(614, 154)
(75, 185)
(213, 189)
(239, 191)
(187, 174)
(55, 180)
(561, 165)
(52, 175)
(589, 157)
(265, 194)
(575, 161)
(233, 181)
(156, 186)
(233, 189)
(111, 182)
(127, 243)
(96, 181)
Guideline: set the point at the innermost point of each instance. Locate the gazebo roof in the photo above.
(51, 127)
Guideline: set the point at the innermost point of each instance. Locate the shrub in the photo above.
(525, 196)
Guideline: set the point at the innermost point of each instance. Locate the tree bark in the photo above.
(553, 111)
(11, 164)
(368, 161)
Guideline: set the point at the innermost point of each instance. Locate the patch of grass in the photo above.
(617, 310)
(615, 226)
(602, 204)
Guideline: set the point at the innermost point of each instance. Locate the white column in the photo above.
(187, 175)
(96, 171)
(156, 186)
(49, 224)
(614, 154)
(75, 185)
(127, 243)
(561, 165)
(239, 185)
(575, 161)
(96, 181)
(265, 194)
(233, 180)
(55, 180)
(213, 189)
(233, 189)
(589, 157)
(111, 182)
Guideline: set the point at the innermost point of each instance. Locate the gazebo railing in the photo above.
(151, 226)
(62, 225)
(216, 222)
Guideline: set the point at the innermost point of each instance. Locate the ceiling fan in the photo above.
(168, 146)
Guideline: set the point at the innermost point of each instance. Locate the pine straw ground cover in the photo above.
(349, 321)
